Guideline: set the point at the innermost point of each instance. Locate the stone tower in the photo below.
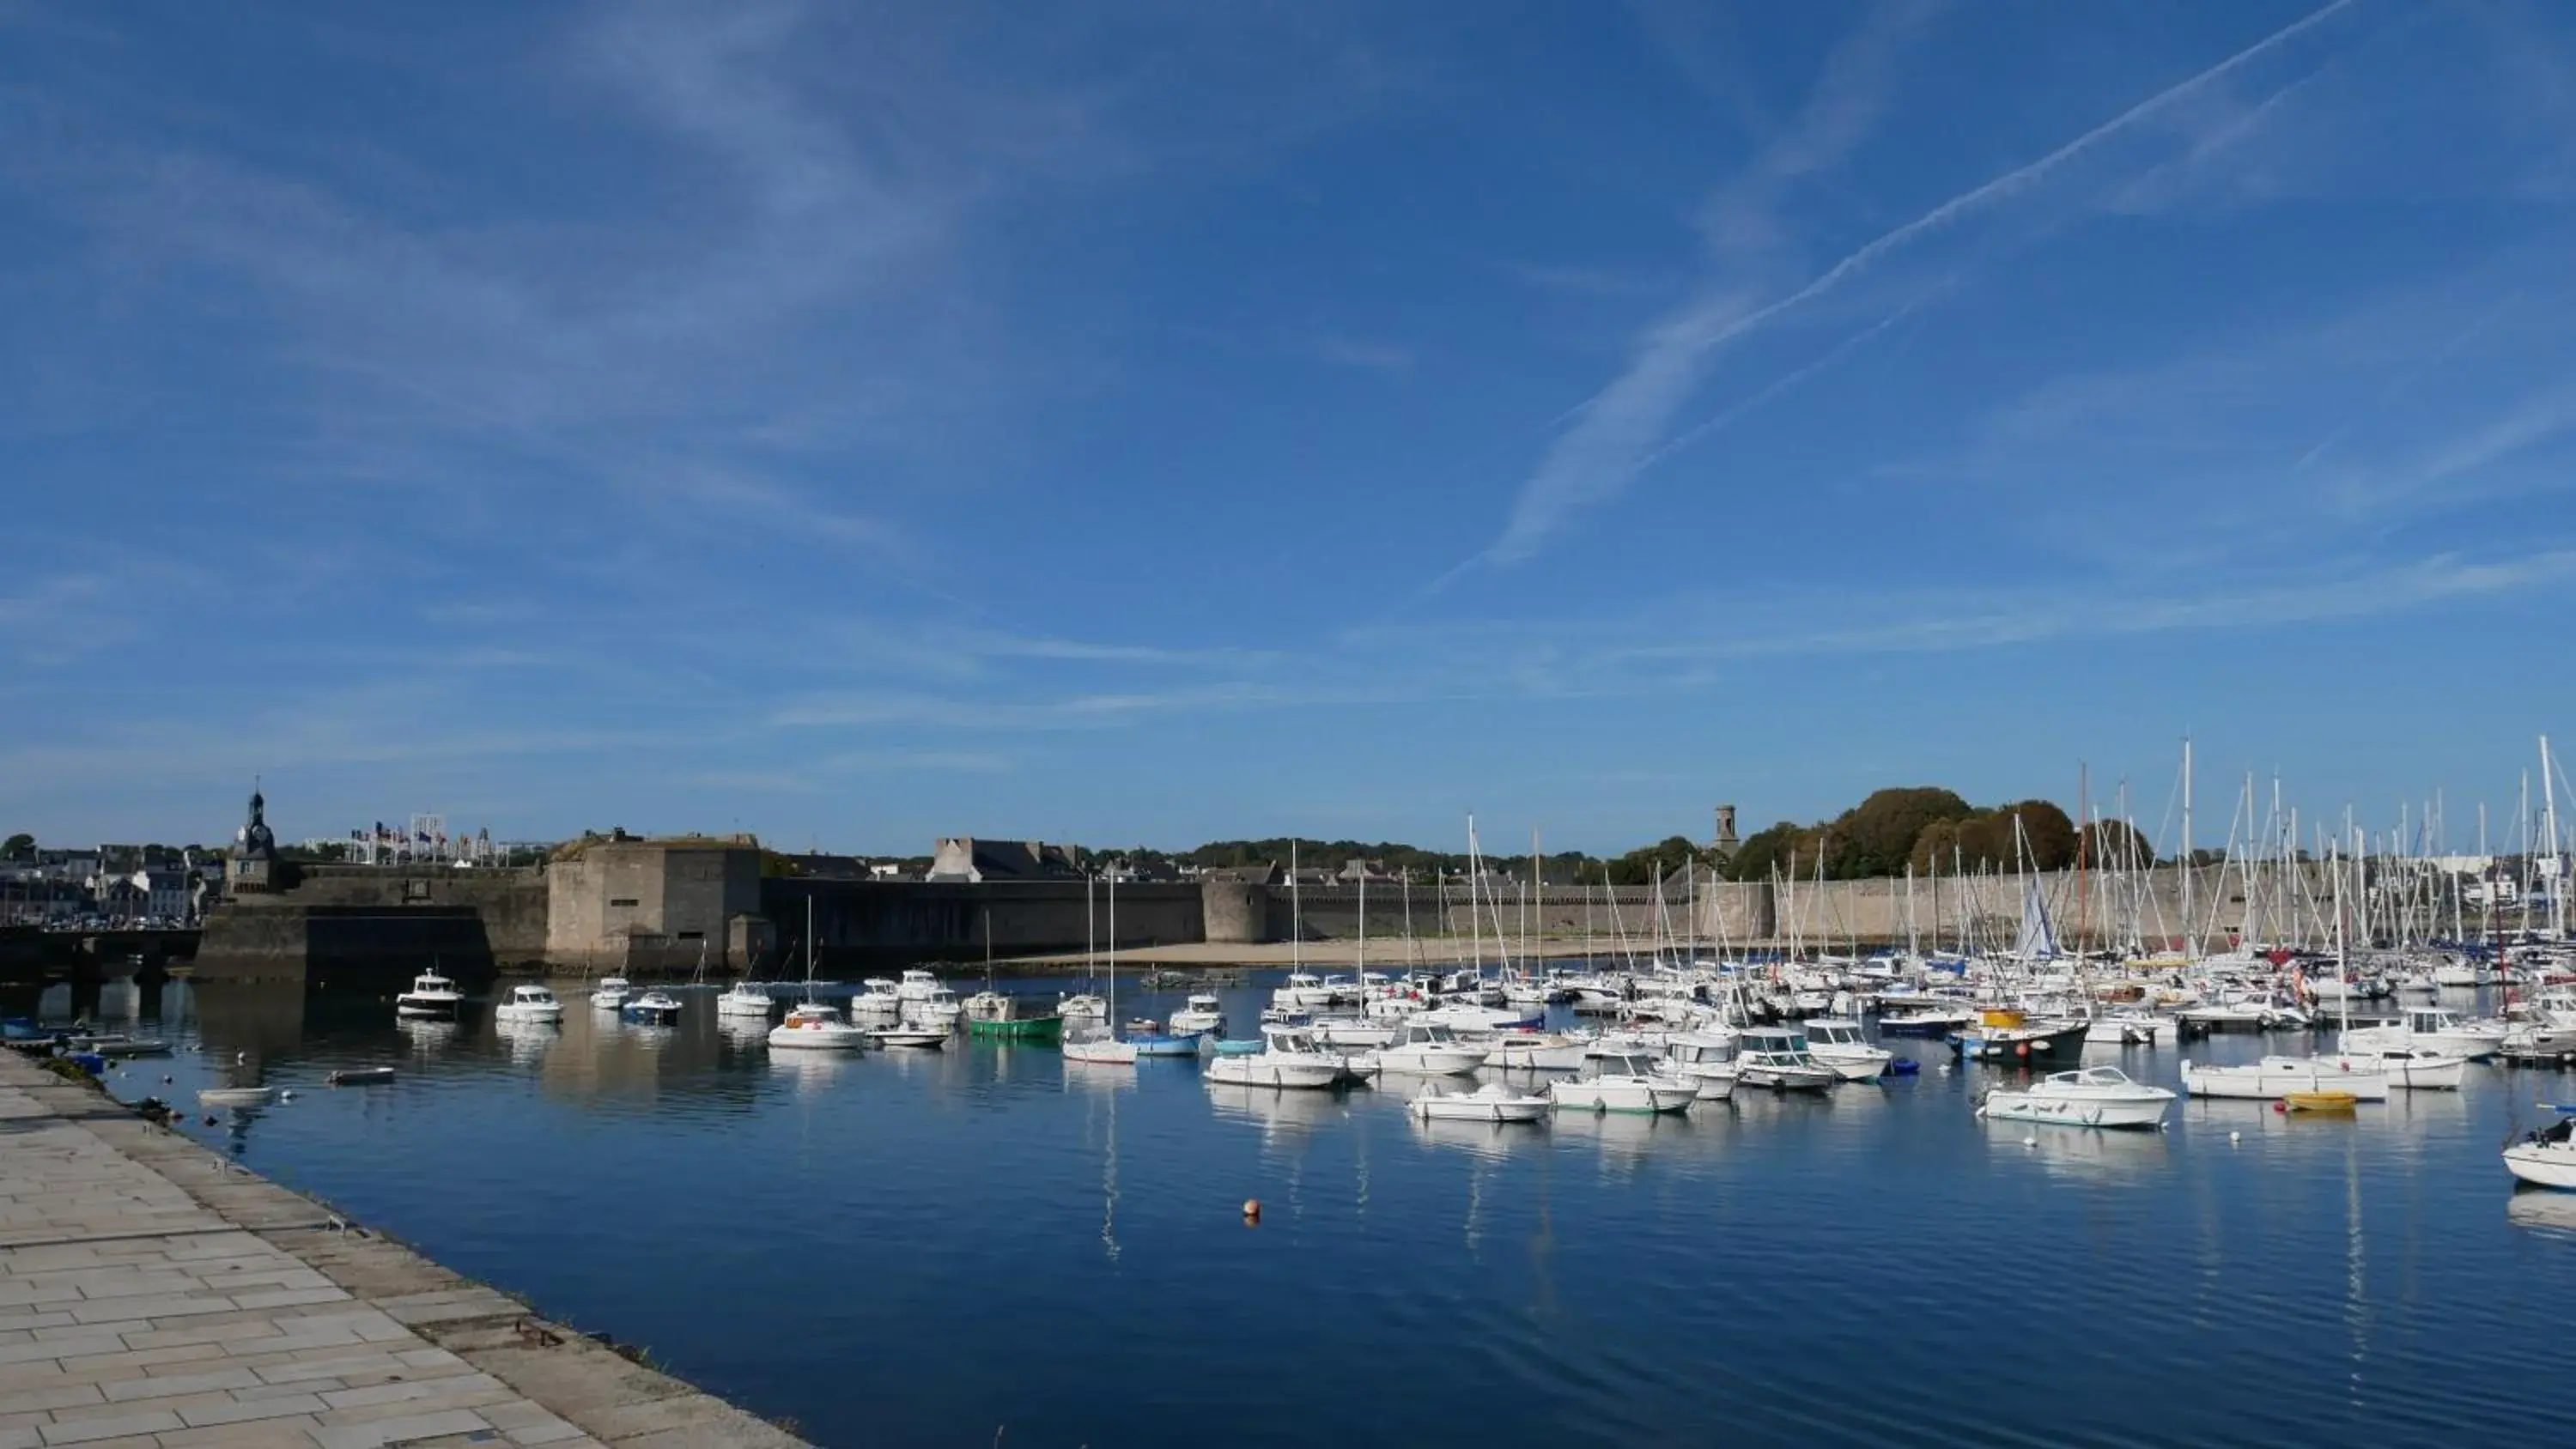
(1726, 842)
(253, 866)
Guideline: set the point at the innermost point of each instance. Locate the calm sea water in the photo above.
(984, 1245)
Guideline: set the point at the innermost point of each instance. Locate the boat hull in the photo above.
(1635, 1097)
(2542, 1165)
(1474, 1107)
(2275, 1078)
(1037, 1029)
(1260, 1070)
(2142, 1113)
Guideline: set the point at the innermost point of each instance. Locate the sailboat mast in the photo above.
(2190, 923)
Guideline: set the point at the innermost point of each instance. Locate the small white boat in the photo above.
(1432, 1050)
(431, 995)
(937, 1008)
(811, 1025)
(532, 1004)
(610, 993)
(2419, 1069)
(1633, 1082)
(2545, 1158)
(1201, 1013)
(2092, 1097)
(1083, 1006)
(920, 1038)
(236, 1096)
(746, 999)
(653, 1008)
(1492, 1102)
(1535, 1051)
(919, 985)
(1103, 1050)
(360, 1076)
(1705, 1057)
(1290, 1057)
(877, 997)
(2128, 1026)
(2274, 1078)
(1779, 1060)
(2431, 1027)
(1838, 1044)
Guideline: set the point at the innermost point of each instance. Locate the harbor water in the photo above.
(988, 1245)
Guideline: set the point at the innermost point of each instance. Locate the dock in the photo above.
(154, 1293)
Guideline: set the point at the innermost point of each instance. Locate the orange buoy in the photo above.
(1252, 1210)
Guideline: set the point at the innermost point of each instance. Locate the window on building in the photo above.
(622, 901)
(693, 935)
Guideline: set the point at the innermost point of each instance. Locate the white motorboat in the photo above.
(2128, 1026)
(937, 1008)
(745, 999)
(2419, 1068)
(876, 997)
(920, 1038)
(1354, 1033)
(1837, 1043)
(431, 996)
(1492, 1102)
(1289, 1057)
(1082, 1006)
(813, 1026)
(987, 1006)
(2543, 1158)
(236, 1096)
(1430, 1049)
(2273, 1078)
(1779, 1060)
(1632, 1082)
(652, 1008)
(1534, 1051)
(1704, 1057)
(1302, 989)
(918, 985)
(533, 1004)
(2091, 1097)
(1201, 1013)
(2433, 1028)
(609, 993)
(1103, 1050)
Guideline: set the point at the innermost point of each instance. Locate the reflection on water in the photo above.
(1591, 1279)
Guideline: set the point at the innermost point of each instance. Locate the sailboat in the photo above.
(811, 1024)
(1100, 1047)
(745, 998)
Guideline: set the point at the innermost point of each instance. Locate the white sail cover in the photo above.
(2038, 942)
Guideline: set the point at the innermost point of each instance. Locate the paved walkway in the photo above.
(154, 1294)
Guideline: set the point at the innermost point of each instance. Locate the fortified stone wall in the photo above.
(368, 928)
(877, 923)
(629, 905)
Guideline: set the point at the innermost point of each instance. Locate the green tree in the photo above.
(21, 846)
(1876, 837)
(2116, 844)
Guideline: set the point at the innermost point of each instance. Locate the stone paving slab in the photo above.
(154, 1293)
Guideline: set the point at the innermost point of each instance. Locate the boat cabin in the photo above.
(531, 996)
(1835, 1033)
(1623, 1064)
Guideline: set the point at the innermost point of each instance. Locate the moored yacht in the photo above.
(609, 993)
(1431, 1049)
(2091, 1097)
(431, 995)
(745, 999)
(2546, 1157)
(1779, 1060)
(2274, 1078)
(1492, 1102)
(1837, 1043)
(2431, 1027)
(529, 1004)
(1289, 1057)
(811, 1025)
(1707, 1058)
(653, 1008)
(1201, 1013)
(877, 997)
(1631, 1082)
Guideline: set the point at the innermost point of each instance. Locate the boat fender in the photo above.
(1251, 1212)
(2021, 1049)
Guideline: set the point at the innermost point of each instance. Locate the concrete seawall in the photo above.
(154, 1293)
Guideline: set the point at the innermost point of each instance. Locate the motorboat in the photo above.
(609, 992)
(2418, 1068)
(877, 997)
(1707, 1058)
(937, 1007)
(533, 1004)
(1101, 1050)
(813, 1026)
(906, 1034)
(1534, 1051)
(1431, 1049)
(432, 996)
(2129, 1026)
(2089, 1097)
(360, 1077)
(1633, 1082)
(1164, 1043)
(1838, 1043)
(1356, 1033)
(918, 985)
(1779, 1059)
(2544, 1158)
(1492, 1102)
(1289, 1057)
(1302, 989)
(652, 1008)
(1201, 1013)
(1924, 1019)
(746, 999)
(236, 1096)
(1083, 1006)
(2431, 1027)
(2005, 1035)
(2274, 1078)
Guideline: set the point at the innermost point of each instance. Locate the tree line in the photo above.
(1931, 829)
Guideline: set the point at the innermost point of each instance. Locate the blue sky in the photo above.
(1157, 422)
